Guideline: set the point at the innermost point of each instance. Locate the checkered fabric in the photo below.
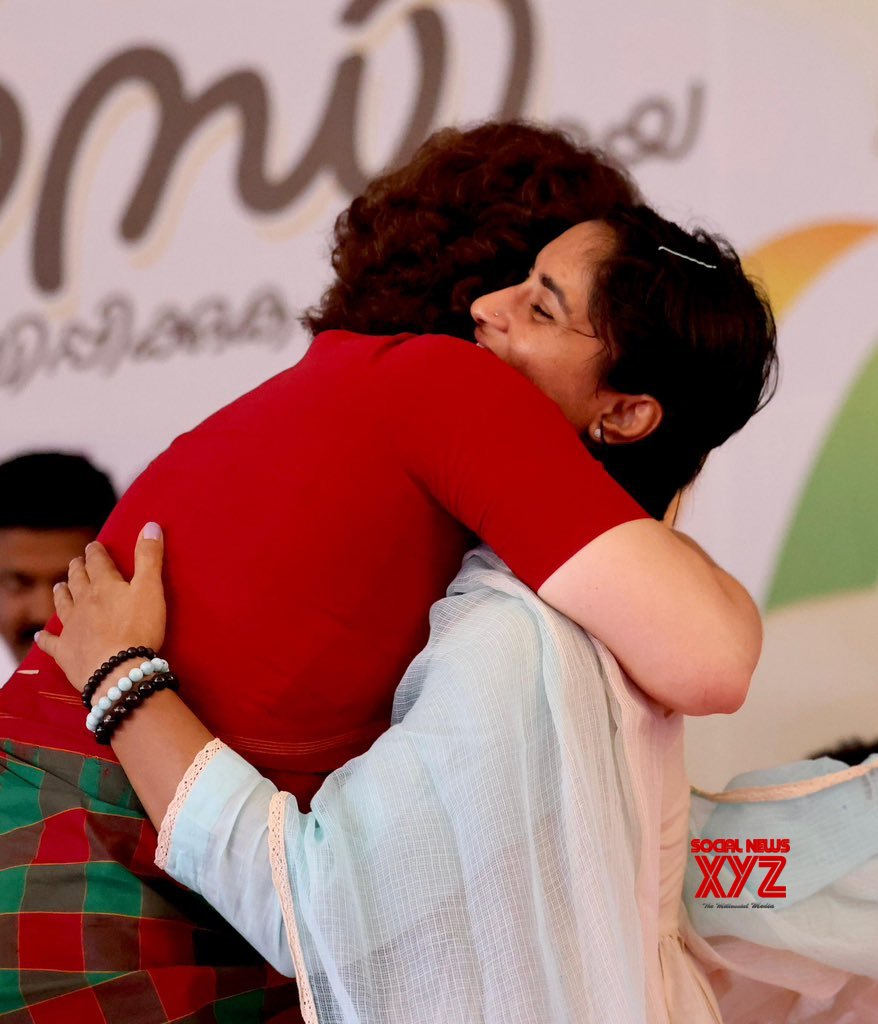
(90, 929)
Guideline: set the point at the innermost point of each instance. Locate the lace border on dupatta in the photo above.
(280, 877)
(202, 759)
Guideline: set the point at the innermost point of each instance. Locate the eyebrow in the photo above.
(555, 289)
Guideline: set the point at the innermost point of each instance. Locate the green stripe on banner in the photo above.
(832, 545)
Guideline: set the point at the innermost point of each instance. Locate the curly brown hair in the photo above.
(465, 216)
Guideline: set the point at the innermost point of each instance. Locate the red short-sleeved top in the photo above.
(310, 525)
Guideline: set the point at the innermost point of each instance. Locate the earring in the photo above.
(599, 433)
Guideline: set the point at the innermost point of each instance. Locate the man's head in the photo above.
(51, 506)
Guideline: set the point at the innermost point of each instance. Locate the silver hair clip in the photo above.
(683, 256)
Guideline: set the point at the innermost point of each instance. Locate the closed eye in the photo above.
(539, 311)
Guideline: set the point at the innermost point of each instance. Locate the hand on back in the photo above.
(102, 613)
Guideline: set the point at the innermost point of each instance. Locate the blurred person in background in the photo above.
(39, 536)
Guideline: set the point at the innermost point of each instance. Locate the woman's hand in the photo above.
(101, 613)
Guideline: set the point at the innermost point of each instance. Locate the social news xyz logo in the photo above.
(760, 859)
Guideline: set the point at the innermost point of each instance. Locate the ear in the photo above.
(628, 418)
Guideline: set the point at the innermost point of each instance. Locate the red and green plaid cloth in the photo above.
(90, 929)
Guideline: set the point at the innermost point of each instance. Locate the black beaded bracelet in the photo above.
(95, 680)
(125, 705)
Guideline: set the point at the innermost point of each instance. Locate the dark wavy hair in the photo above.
(698, 336)
(465, 216)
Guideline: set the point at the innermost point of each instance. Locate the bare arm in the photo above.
(685, 631)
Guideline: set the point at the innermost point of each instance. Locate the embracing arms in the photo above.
(501, 457)
(684, 630)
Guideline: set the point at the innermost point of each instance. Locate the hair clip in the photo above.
(683, 256)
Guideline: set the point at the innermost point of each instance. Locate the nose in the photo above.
(491, 309)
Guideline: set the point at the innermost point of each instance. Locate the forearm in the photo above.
(215, 841)
(686, 632)
(744, 614)
(155, 745)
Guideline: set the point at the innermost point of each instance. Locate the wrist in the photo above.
(110, 700)
(115, 677)
(104, 670)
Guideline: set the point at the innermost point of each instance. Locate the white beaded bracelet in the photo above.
(122, 686)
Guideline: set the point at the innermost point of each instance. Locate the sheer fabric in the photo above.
(497, 855)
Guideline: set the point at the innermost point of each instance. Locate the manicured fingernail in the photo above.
(37, 635)
(152, 531)
(57, 586)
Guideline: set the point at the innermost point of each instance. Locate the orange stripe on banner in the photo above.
(788, 264)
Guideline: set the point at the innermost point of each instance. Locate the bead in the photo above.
(131, 700)
(120, 710)
(132, 652)
(91, 723)
(97, 712)
(147, 669)
(105, 703)
(105, 668)
(124, 684)
(135, 675)
(114, 693)
(165, 666)
(148, 686)
(158, 664)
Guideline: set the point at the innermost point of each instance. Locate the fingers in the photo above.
(148, 554)
(98, 563)
(63, 601)
(47, 642)
(77, 577)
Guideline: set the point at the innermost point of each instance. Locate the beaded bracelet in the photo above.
(123, 685)
(95, 680)
(111, 720)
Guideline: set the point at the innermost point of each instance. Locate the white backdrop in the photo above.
(132, 307)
